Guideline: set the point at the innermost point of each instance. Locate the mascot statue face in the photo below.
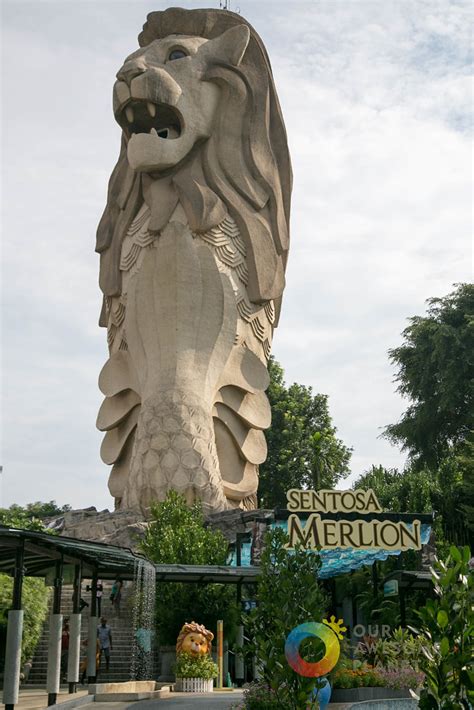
(193, 246)
(194, 639)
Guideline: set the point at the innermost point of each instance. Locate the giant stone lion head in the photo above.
(231, 114)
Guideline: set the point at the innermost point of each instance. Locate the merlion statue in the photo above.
(193, 245)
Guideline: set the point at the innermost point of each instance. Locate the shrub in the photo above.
(259, 696)
(35, 605)
(447, 623)
(288, 594)
(401, 650)
(189, 666)
(400, 679)
(177, 535)
(363, 677)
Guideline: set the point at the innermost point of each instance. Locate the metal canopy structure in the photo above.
(42, 551)
(207, 574)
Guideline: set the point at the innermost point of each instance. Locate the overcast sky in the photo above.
(376, 102)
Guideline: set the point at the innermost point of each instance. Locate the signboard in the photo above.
(390, 588)
(318, 532)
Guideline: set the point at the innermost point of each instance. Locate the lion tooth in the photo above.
(151, 109)
(153, 132)
(129, 114)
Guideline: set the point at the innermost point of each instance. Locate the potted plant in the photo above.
(195, 674)
(195, 669)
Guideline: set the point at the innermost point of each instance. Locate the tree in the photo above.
(303, 450)
(18, 516)
(288, 594)
(436, 372)
(447, 491)
(177, 535)
(409, 491)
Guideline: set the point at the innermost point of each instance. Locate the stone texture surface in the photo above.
(193, 246)
(124, 528)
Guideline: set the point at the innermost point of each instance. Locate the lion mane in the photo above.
(194, 628)
(250, 174)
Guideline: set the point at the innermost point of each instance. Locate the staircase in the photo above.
(122, 635)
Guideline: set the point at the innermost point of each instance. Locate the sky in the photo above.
(376, 100)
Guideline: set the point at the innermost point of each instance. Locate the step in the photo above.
(122, 628)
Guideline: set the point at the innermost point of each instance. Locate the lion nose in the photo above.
(131, 69)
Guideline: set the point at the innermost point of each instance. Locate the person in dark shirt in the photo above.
(64, 647)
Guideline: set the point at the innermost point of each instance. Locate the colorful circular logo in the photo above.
(311, 629)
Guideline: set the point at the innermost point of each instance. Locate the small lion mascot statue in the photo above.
(193, 246)
(194, 639)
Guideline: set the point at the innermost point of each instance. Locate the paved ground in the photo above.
(183, 701)
(216, 701)
(35, 699)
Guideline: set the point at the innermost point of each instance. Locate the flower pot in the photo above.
(357, 695)
(194, 685)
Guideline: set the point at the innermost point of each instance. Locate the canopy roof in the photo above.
(42, 551)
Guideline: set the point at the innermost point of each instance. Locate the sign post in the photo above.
(220, 653)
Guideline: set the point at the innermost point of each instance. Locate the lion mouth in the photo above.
(147, 117)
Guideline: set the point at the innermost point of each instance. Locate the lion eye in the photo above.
(176, 54)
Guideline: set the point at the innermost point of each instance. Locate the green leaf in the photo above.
(442, 618)
(455, 554)
(444, 646)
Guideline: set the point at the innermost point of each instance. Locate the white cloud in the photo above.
(377, 111)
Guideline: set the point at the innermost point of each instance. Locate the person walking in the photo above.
(83, 666)
(116, 595)
(64, 648)
(104, 635)
(100, 591)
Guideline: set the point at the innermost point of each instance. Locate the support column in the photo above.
(354, 604)
(55, 632)
(74, 655)
(403, 609)
(92, 634)
(11, 683)
(220, 654)
(239, 641)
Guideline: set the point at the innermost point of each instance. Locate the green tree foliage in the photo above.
(448, 492)
(35, 594)
(303, 450)
(29, 517)
(409, 491)
(288, 595)
(177, 535)
(436, 373)
(465, 461)
(35, 604)
(447, 625)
